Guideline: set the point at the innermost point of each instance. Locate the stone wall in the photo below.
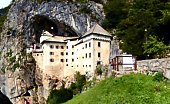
(155, 65)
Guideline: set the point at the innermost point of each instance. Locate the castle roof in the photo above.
(56, 39)
(97, 29)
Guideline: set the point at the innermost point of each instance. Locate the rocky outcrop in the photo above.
(25, 22)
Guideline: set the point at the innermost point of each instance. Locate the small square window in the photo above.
(99, 54)
(86, 55)
(62, 47)
(66, 60)
(37, 54)
(89, 44)
(62, 60)
(67, 47)
(51, 60)
(66, 64)
(62, 53)
(77, 66)
(89, 65)
(89, 55)
(51, 53)
(56, 47)
(66, 53)
(99, 44)
(85, 45)
(51, 46)
(72, 53)
(72, 60)
(72, 46)
(83, 65)
(86, 65)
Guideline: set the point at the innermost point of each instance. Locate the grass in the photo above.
(129, 89)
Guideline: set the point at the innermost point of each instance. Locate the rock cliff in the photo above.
(25, 22)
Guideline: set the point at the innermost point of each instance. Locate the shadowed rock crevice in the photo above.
(42, 23)
(4, 99)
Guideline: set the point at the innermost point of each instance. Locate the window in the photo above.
(83, 65)
(85, 45)
(72, 46)
(62, 53)
(56, 47)
(72, 60)
(98, 54)
(62, 47)
(51, 60)
(89, 44)
(98, 62)
(86, 55)
(66, 64)
(66, 60)
(62, 60)
(89, 55)
(77, 66)
(66, 53)
(67, 47)
(89, 65)
(86, 65)
(51, 46)
(51, 53)
(72, 53)
(98, 44)
(37, 54)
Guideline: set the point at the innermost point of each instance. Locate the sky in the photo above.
(4, 3)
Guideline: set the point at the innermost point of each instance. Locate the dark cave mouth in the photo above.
(42, 23)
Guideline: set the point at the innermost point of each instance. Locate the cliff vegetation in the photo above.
(129, 89)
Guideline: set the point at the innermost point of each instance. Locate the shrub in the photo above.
(59, 96)
(99, 70)
(158, 76)
(80, 81)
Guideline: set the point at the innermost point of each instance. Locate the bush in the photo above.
(80, 81)
(59, 96)
(158, 76)
(99, 70)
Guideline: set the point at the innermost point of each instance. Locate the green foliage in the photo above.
(12, 59)
(158, 76)
(99, 70)
(2, 19)
(85, 9)
(115, 11)
(80, 81)
(15, 66)
(59, 96)
(40, 1)
(154, 48)
(9, 53)
(129, 89)
(136, 20)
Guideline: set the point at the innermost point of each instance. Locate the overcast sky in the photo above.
(4, 3)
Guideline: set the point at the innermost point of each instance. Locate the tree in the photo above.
(115, 11)
(155, 48)
(142, 15)
(80, 81)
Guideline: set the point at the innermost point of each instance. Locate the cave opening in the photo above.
(43, 23)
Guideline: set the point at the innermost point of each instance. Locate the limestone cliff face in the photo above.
(25, 22)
